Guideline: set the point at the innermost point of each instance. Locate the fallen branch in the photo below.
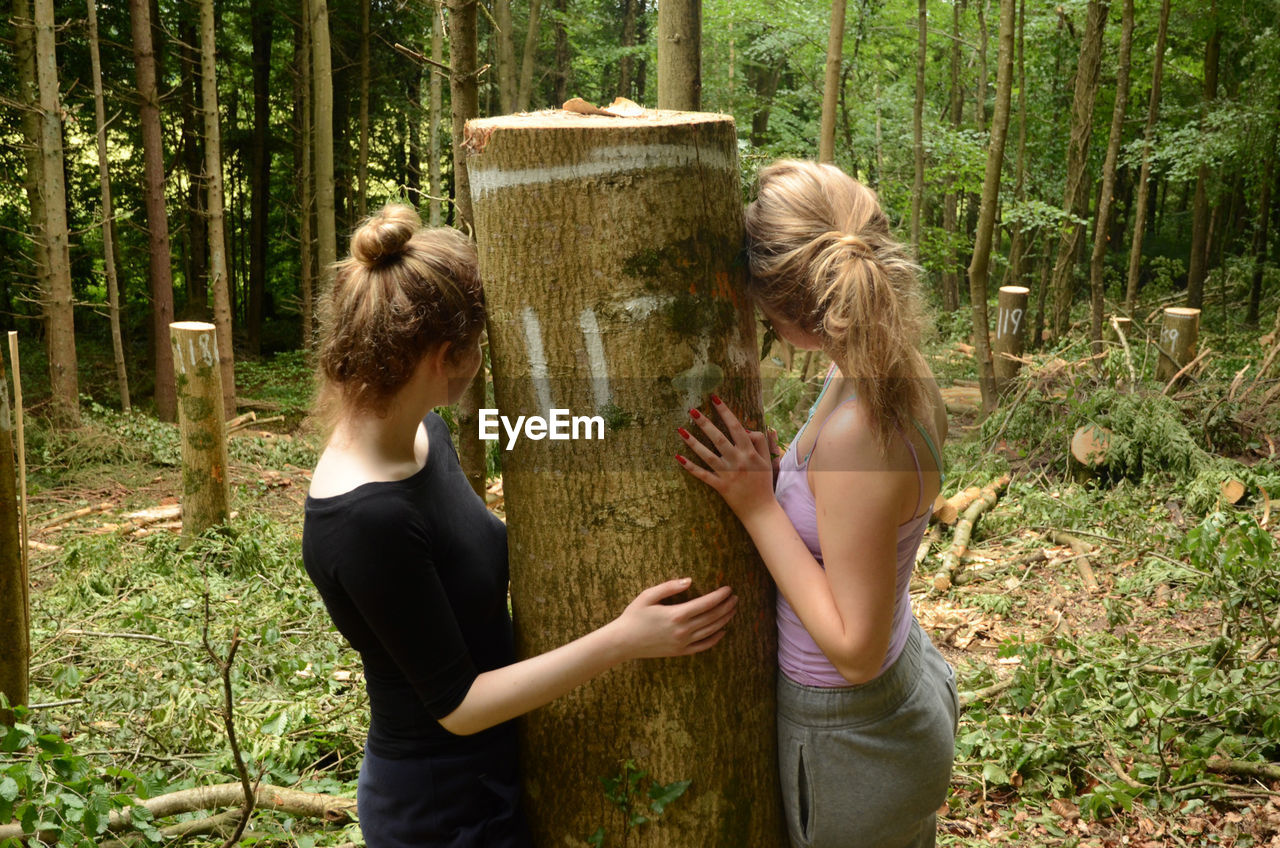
(967, 698)
(948, 511)
(930, 539)
(221, 823)
(72, 516)
(1118, 767)
(1243, 768)
(1184, 369)
(1082, 551)
(1128, 354)
(951, 561)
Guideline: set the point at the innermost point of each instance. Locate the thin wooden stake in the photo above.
(20, 432)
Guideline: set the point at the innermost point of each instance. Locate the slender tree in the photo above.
(917, 124)
(159, 272)
(433, 120)
(950, 203)
(56, 296)
(1262, 232)
(218, 279)
(306, 241)
(322, 114)
(507, 70)
(979, 266)
(260, 15)
(15, 605)
(1144, 179)
(1101, 227)
(1198, 264)
(1076, 198)
(626, 63)
(680, 54)
(525, 89)
(362, 156)
(1018, 239)
(195, 259)
(831, 83)
(104, 184)
(24, 37)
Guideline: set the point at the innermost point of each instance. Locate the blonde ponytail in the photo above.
(821, 256)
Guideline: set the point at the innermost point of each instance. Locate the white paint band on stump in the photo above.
(619, 159)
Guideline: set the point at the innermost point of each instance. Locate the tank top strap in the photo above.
(915, 457)
(933, 450)
(818, 435)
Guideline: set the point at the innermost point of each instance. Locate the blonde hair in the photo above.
(820, 255)
(402, 292)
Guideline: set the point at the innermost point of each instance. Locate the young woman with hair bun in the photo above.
(867, 707)
(413, 568)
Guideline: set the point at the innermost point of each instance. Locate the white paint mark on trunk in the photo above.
(537, 358)
(595, 356)
(639, 308)
(618, 159)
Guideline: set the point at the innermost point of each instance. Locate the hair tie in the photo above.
(856, 245)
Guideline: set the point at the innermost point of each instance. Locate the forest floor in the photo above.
(1144, 711)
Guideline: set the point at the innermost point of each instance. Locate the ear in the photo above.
(437, 359)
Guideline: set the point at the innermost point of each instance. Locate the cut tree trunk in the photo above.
(56, 297)
(104, 184)
(160, 273)
(1011, 313)
(602, 308)
(219, 279)
(206, 489)
(1178, 336)
(1089, 446)
(1198, 262)
(15, 617)
(680, 54)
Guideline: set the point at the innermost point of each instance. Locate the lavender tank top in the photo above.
(799, 657)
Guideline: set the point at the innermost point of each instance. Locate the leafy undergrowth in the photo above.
(1126, 715)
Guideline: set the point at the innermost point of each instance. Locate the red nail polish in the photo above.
(680, 459)
(684, 434)
(716, 400)
(695, 414)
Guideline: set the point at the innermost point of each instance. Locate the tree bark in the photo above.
(950, 223)
(1198, 263)
(1101, 226)
(626, 74)
(507, 70)
(306, 241)
(56, 297)
(979, 267)
(680, 55)
(104, 185)
(362, 155)
(15, 615)
(322, 105)
(1261, 234)
(260, 171)
(195, 261)
(656, 304)
(917, 125)
(465, 100)
(206, 489)
(1144, 178)
(218, 279)
(560, 73)
(159, 271)
(434, 187)
(24, 37)
(1018, 238)
(525, 90)
(831, 83)
(1076, 200)
(1011, 322)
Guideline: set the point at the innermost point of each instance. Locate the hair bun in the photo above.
(384, 234)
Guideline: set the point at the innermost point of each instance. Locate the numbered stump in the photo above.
(206, 492)
(1010, 329)
(1178, 337)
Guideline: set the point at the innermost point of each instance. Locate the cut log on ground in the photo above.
(952, 559)
(1233, 491)
(1082, 551)
(948, 512)
(1089, 446)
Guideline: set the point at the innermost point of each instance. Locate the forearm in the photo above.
(504, 693)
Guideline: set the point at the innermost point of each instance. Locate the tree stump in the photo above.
(609, 247)
(1010, 330)
(206, 491)
(15, 631)
(1178, 336)
(1089, 446)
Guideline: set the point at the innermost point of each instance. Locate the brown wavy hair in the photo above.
(821, 256)
(404, 291)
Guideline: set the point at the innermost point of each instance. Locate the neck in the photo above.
(390, 438)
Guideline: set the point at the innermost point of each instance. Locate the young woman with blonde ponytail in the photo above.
(413, 568)
(867, 706)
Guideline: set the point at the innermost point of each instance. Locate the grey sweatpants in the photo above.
(868, 766)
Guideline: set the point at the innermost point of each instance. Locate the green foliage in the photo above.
(1237, 557)
(638, 798)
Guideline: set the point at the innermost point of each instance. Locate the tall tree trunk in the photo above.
(680, 55)
(322, 79)
(56, 298)
(413, 166)
(507, 83)
(15, 603)
(159, 272)
(29, 96)
(1018, 238)
(560, 75)
(950, 268)
(980, 264)
(917, 125)
(1076, 200)
(108, 233)
(195, 266)
(525, 89)
(218, 280)
(435, 189)
(260, 14)
(362, 160)
(831, 83)
(306, 179)
(1144, 178)
(1261, 234)
(675, 719)
(1101, 227)
(980, 96)
(464, 97)
(1198, 264)
(626, 74)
